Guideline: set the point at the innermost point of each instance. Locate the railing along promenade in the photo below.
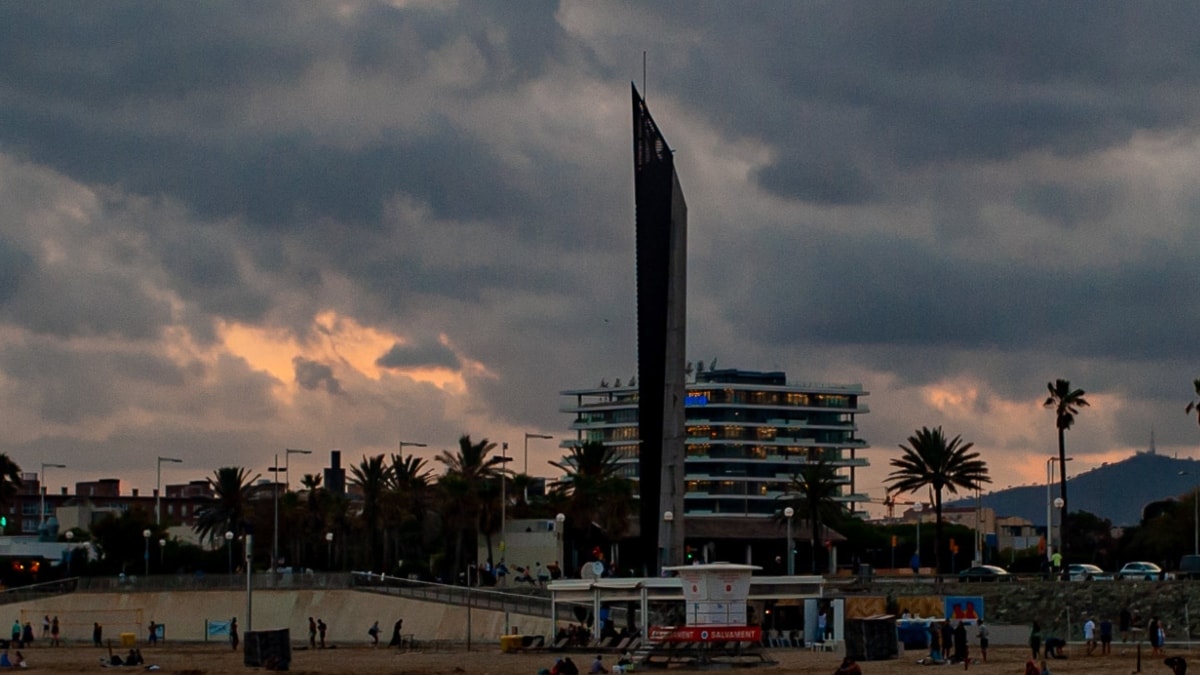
(525, 600)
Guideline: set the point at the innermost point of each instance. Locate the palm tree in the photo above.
(373, 476)
(595, 493)
(1066, 403)
(813, 494)
(930, 460)
(231, 502)
(1195, 405)
(411, 483)
(467, 473)
(10, 481)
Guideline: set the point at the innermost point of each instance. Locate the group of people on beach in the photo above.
(23, 633)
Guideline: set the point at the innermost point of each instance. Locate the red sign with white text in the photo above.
(706, 633)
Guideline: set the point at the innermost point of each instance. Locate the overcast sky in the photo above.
(233, 228)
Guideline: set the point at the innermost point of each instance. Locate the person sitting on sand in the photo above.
(1176, 663)
(597, 666)
(19, 660)
(848, 667)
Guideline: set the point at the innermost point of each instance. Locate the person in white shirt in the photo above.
(1089, 635)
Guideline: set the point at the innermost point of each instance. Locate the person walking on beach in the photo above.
(45, 626)
(1035, 639)
(373, 631)
(1125, 625)
(153, 640)
(16, 633)
(312, 633)
(1089, 635)
(321, 628)
(396, 639)
(233, 633)
(983, 640)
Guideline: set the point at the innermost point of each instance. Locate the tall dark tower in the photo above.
(661, 221)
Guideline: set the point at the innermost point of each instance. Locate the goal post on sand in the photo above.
(75, 625)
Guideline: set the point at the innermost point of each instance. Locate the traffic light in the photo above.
(689, 553)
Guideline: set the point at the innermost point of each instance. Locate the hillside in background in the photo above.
(1116, 491)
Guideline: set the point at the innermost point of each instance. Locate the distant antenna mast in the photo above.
(643, 75)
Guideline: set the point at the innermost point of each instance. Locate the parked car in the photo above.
(985, 573)
(1086, 572)
(1189, 567)
(1142, 570)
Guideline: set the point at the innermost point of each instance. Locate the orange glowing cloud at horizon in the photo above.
(344, 344)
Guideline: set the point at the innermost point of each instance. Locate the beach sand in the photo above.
(216, 659)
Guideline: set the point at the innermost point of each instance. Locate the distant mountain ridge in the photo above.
(1117, 491)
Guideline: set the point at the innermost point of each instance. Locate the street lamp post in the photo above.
(1050, 502)
(503, 499)
(1195, 514)
(229, 545)
(1058, 504)
(158, 488)
(249, 582)
(919, 507)
(42, 507)
(275, 530)
(527, 437)
(70, 535)
(146, 536)
(329, 549)
(791, 564)
(287, 463)
(162, 547)
(668, 518)
(558, 530)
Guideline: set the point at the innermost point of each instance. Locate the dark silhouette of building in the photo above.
(335, 475)
(661, 267)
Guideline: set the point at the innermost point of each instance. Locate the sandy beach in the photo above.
(216, 659)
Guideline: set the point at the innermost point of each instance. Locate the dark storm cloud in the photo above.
(418, 356)
(888, 290)
(68, 386)
(15, 265)
(313, 376)
(64, 80)
(892, 86)
(1068, 205)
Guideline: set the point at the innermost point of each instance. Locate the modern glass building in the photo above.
(748, 434)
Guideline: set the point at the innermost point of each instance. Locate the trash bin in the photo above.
(128, 639)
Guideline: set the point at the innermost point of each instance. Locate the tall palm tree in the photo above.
(813, 493)
(1066, 403)
(467, 473)
(411, 486)
(373, 476)
(10, 481)
(930, 460)
(595, 493)
(230, 505)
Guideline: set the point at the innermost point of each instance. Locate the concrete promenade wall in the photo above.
(348, 613)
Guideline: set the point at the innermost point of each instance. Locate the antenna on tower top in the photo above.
(643, 74)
